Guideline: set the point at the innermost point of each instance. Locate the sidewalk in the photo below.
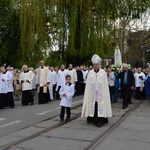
(133, 133)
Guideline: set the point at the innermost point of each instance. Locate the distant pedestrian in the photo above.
(66, 93)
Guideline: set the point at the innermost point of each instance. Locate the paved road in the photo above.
(20, 117)
(75, 135)
(133, 133)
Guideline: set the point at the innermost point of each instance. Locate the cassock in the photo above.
(139, 84)
(10, 100)
(52, 85)
(43, 79)
(26, 78)
(73, 74)
(66, 102)
(96, 102)
(3, 90)
(61, 80)
(85, 73)
(79, 83)
(7, 89)
(33, 84)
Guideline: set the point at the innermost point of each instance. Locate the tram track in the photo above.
(91, 146)
(13, 144)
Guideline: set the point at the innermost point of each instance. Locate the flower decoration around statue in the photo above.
(118, 68)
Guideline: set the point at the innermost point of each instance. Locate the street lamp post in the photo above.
(143, 58)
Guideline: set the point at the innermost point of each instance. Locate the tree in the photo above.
(9, 34)
(75, 28)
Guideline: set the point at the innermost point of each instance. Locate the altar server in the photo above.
(26, 79)
(66, 93)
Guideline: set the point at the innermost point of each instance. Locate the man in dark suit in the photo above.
(127, 84)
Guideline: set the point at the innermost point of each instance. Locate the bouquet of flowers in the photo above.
(118, 68)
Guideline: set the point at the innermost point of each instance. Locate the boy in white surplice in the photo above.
(66, 93)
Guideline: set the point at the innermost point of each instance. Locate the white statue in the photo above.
(117, 57)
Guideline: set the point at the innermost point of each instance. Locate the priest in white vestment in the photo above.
(96, 102)
(72, 72)
(61, 80)
(43, 80)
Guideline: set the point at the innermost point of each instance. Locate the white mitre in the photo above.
(96, 59)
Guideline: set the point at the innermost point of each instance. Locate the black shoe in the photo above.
(32, 103)
(62, 120)
(123, 107)
(98, 124)
(67, 119)
(130, 103)
(24, 104)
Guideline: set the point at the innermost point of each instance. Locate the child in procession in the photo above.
(66, 93)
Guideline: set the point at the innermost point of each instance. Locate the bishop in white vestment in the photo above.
(96, 102)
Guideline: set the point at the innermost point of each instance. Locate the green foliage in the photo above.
(9, 34)
(54, 59)
(32, 29)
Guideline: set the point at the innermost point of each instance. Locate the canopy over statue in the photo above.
(117, 57)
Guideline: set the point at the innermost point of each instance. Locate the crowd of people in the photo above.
(54, 83)
(47, 80)
(130, 82)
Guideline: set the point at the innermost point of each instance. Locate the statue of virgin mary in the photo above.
(117, 56)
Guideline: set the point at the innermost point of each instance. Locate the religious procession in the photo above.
(100, 87)
(74, 75)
